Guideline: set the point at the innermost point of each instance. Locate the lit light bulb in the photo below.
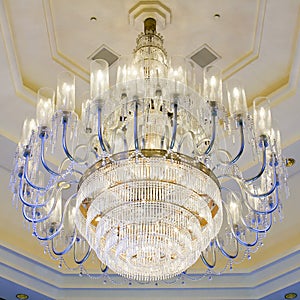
(212, 85)
(234, 211)
(66, 92)
(99, 78)
(213, 81)
(262, 116)
(29, 127)
(45, 106)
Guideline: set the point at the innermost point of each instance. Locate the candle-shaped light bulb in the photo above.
(177, 73)
(236, 99)
(262, 116)
(212, 84)
(86, 113)
(99, 78)
(213, 81)
(65, 92)
(45, 106)
(275, 139)
(29, 127)
(234, 211)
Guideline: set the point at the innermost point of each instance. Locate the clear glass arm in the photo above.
(86, 256)
(135, 132)
(64, 138)
(39, 188)
(213, 134)
(264, 144)
(100, 137)
(174, 126)
(242, 147)
(67, 249)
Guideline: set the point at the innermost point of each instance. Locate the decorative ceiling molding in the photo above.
(261, 282)
(290, 89)
(253, 53)
(57, 55)
(21, 90)
(149, 9)
(280, 93)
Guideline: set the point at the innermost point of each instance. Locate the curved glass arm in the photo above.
(229, 217)
(174, 126)
(243, 187)
(103, 267)
(67, 249)
(210, 266)
(36, 187)
(64, 139)
(242, 147)
(135, 124)
(22, 196)
(263, 230)
(264, 144)
(46, 217)
(224, 252)
(264, 212)
(213, 134)
(267, 193)
(100, 137)
(86, 256)
(43, 137)
(56, 232)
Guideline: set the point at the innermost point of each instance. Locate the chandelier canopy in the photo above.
(148, 178)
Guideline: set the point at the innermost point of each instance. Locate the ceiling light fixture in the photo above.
(290, 296)
(22, 296)
(148, 176)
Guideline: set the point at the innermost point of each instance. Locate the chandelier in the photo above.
(150, 176)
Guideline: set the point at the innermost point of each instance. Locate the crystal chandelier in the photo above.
(149, 178)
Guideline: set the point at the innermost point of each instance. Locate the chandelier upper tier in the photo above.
(147, 178)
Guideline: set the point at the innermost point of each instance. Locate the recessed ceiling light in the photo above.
(22, 296)
(290, 296)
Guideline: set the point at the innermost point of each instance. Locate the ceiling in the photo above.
(257, 41)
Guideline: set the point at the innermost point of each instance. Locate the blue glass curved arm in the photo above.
(135, 124)
(36, 187)
(210, 266)
(58, 229)
(263, 230)
(64, 138)
(213, 134)
(44, 163)
(224, 252)
(100, 137)
(268, 211)
(67, 249)
(240, 182)
(86, 256)
(242, 146)
(264, 145)
(46, 217)
(24, 201)
(175, 105)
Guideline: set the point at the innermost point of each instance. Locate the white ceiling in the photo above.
(257, 40)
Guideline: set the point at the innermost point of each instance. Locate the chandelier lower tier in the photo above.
(149, 177)
(150, 217)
